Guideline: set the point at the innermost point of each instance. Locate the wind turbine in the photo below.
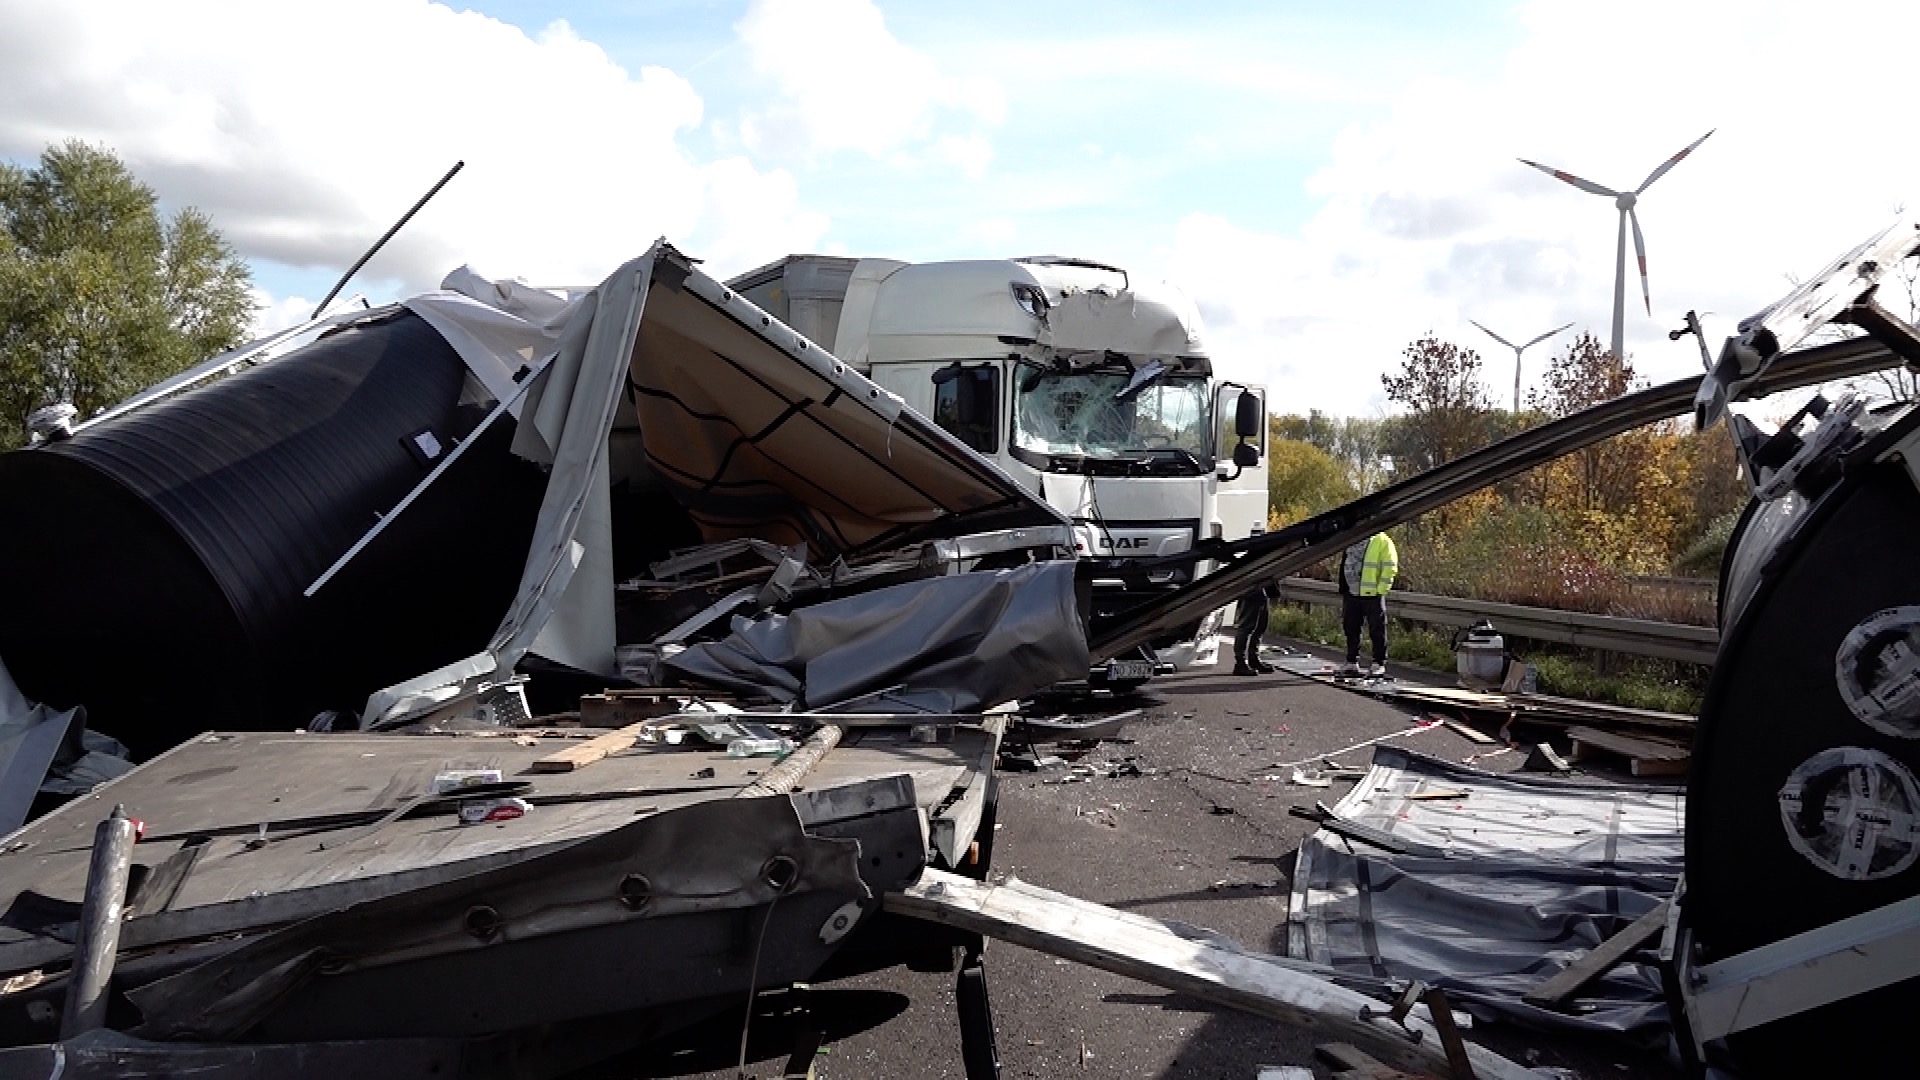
(1625, 201)
(1517, 350)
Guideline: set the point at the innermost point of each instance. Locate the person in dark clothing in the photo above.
(1250, 620)
(1366, 576)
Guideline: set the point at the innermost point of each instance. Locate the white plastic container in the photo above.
(1479, 652)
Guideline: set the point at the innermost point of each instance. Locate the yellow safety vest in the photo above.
(1379, 566)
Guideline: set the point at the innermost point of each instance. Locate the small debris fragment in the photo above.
(1543, 759)
(704, 774)
(1220, 810)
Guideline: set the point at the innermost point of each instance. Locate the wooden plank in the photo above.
(1626, 712)
(1629, 745)
(1647, 757)
(1467, 732)
(1459, 1065)
(1351, 1063)
(1207, 966)
(1598, 960)
(586, 753)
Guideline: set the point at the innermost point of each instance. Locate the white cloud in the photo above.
(1427, 220)
(305, 130)
(272, 313)
(844, 82)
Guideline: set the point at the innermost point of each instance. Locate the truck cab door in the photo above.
(1241, 507)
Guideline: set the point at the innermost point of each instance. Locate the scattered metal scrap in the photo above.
(1537, 874)
(1652, 743)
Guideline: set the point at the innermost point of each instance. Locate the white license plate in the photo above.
(1129, 670)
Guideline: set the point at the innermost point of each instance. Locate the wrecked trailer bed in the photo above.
(310, 888)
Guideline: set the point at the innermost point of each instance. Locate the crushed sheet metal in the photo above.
(1538, 872)
(704, 857)
(1853, 812)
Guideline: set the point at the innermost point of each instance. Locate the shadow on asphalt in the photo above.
(1231, 685)
(778, 1026)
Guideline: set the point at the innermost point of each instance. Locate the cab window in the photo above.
(966, 403)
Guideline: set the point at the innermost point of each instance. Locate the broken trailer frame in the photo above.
(306, 904)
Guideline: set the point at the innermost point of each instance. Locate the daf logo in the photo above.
(1118, 542)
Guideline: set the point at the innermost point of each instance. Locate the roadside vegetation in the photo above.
(1637, 682)
(100, 295)
(1634, 526)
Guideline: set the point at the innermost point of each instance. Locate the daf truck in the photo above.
(1092, 389)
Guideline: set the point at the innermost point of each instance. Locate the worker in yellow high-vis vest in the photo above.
(1367, 571)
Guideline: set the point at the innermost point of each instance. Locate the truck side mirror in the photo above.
(1246, 455)
(1246, 417)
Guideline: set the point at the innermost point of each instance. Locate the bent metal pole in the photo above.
(98, 943)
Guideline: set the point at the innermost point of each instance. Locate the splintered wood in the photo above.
(1646, 757)
(586, 753)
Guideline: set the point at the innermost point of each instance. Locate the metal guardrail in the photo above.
(1610, 633)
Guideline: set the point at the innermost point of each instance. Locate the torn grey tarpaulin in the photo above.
(48, 749)
(948, 644)
(1536, 873)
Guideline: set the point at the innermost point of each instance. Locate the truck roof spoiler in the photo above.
(1126, 282)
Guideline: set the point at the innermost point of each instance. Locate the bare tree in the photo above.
(1447, 405)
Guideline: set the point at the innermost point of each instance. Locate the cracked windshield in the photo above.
(1077, 414)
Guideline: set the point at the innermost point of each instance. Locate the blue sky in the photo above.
(1327, 181)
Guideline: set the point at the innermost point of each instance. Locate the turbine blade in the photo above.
(1670, 163)
(1640, 250)
(1584, 185)
(1543, 337)
(1493, 335)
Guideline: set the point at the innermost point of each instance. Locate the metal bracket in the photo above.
(1806, 971)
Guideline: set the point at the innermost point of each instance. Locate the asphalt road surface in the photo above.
(1199, 837)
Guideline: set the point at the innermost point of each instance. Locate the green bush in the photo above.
(1316, 624)
(1419, 646)
(1702, 557)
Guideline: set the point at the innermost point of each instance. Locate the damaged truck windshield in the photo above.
(1090, 415)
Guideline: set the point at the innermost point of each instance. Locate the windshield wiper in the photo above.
(1152, 372)
(1191, 458)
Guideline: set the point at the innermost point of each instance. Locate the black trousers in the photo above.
(1250, 619)
(1373, 611)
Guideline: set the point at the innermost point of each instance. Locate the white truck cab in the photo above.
(1092, 389)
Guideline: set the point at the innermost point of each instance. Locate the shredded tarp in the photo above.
(662, 376)
(953, 644)
(1536, 873)
(43, 749)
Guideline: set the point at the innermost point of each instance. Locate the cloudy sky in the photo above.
(1329, 181)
